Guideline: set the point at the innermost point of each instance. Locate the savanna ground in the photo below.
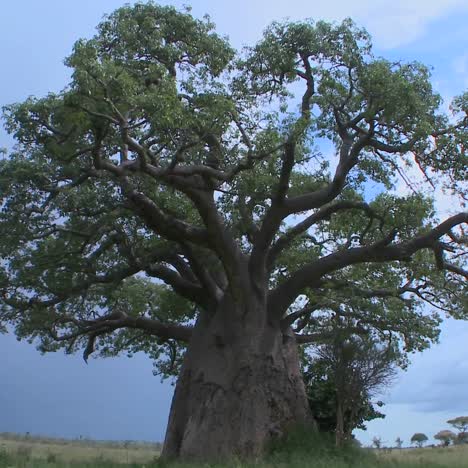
(296, 452)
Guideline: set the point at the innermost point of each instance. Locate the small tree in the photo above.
(356, 367)
(461, 438)
(445, 437)
(399, 442)
(460, 423)
(322, 395)
(419, 439)
(377, 442)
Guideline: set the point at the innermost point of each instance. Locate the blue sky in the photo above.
(119, 398)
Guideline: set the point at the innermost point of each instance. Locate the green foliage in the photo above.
(419, 439)
(460, 423)
(344, 375)
(321, 386)
(445, 437)
(298, 445)
(162, 115)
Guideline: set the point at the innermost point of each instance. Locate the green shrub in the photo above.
(51, 458)
(24, 452)
(5, 458)
(306, 447)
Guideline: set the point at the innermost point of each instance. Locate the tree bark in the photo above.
(240, 386)
(340, 430)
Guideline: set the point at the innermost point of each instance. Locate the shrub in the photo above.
(24, 451)
(51, 458)
(5, 459)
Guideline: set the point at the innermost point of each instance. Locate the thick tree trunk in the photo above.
(239, 387)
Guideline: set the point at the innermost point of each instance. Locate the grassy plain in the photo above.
(456, 456)
(48, 452)
(295, 452)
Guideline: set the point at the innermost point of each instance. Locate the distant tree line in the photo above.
(445, 437)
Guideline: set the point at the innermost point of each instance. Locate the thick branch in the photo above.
(180, 285)
(323, 214)
(115, 321)
(203, 274)
(160, 222)
(275, 213)
(455, 269)
(308, 276)
(349, 153)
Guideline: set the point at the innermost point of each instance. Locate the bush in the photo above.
(24, 451)
(51, 458)
(298, 447)
(5, 459)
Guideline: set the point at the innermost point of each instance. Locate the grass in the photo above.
(298, 450)
(454, 456)
(38, 452)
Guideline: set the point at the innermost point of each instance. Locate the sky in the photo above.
(119, 398)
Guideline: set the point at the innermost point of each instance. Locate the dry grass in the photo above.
(297, 452)
(455, 456)
(72, 451)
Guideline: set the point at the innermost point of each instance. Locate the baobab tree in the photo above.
(174, 198)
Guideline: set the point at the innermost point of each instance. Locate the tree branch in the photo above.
(349, 153)
(309, 275)
(181, 286)
(323, 214)
(112, 322)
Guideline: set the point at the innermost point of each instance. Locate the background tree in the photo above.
(399, 442)
(321, 393)
(419, 439)
(445, 437)
(377, 442)
(346, 374)
(460, 423)
(173, 199)
(462, 438)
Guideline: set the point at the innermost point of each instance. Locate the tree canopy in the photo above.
(419, 439)
(460, 423)
(445, 437)
(343, 376)
(169, 155)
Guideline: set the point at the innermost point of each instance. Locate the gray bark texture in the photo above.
(239, 388)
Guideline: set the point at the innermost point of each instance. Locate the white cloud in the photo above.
(391, 23)
(400, 22)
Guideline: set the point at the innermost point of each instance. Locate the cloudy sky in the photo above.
(119, 398)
